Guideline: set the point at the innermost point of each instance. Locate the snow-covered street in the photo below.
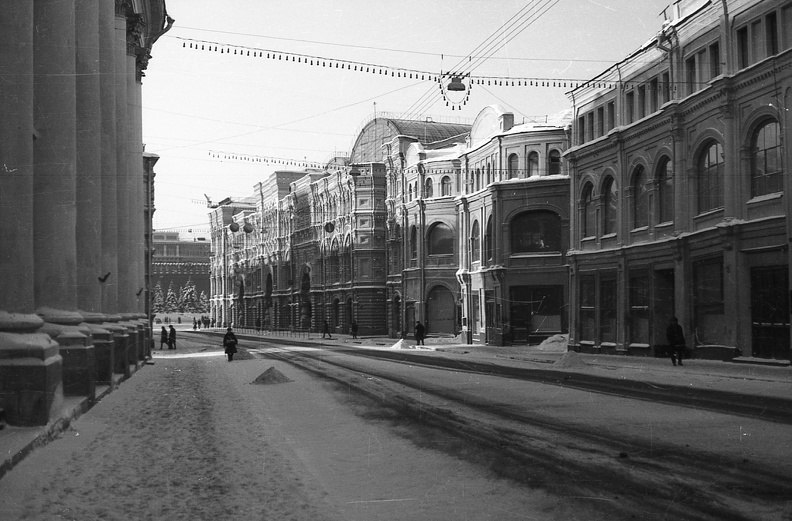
(191, 437)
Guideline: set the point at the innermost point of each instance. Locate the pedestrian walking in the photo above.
(172, 338)
(195, 324)
(164, 337)
(353, 329)
(230, 344)
(326, 330)
(420, 332)
(676, 340)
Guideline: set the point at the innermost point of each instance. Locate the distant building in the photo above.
(178, 261)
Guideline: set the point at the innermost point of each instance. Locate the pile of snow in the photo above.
(554, 344)
(570, 359)
(401, 344)
(271, 376)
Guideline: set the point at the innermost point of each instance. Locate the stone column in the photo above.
(89, 178)
(16, 151)
(55, 188)
(55, 155)
(30, 365)
(122, 163)
(107, 101)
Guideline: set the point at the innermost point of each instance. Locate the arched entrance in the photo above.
(440, 310)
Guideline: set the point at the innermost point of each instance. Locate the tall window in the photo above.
(710, 178)
(554, 163)
(640, 199)
(428, 188)
(413, 243)
(536, 231)
(665, 190)
(475, 245)
(477, 186)
(440, 240)
(513, 166)
(610, 207)
(766, 167)
(589, 224)
(445, 185)
(488, 239)
(533, 164)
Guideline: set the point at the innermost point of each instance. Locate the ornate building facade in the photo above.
(680, 204)
(73, 198)
(376, 240)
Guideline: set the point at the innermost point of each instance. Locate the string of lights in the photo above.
(390, 71)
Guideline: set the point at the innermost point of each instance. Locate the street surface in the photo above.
(359, 438)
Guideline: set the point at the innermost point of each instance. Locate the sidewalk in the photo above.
(749, 379)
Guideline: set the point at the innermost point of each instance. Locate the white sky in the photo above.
(198, 104)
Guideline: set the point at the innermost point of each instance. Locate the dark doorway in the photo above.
(770, 312)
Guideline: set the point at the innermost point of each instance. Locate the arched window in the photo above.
(513, 166)
(440, 240)
(475, 245)
(533, 164)
(589, 224)
(489, 175)
(413, 243)
(710, 177)
(640, 199)
(488, 241)
(610, 216)
(536, 231)
(429, 190)
(477, 185)
(554, 163)
(766, 169)
(409, 192)
(445, 185)
(665, 190)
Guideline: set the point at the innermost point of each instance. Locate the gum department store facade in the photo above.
(661, 193)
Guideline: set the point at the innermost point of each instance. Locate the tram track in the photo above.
(657, 480)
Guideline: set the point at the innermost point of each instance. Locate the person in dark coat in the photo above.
(353, 329)
(164, 337)
(172, 338)
(230, 344)
(326, 330)
(676, 340)
(420, 332)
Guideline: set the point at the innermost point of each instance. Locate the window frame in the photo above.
(709, 177)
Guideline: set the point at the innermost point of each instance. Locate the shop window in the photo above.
(440, 240)
(588, 316)
(608, 310)
(639, 309)
(710, 177)
(536, 231)
(640, 199)
(766, 169)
